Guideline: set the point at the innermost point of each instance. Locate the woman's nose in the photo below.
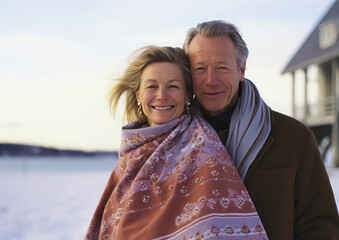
(161, 94)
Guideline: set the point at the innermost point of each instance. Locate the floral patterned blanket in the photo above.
(175, 181)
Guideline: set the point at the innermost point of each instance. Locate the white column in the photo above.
(335, 126)
(293, 95)
(306, 108)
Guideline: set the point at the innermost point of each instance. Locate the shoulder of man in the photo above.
(285, 122)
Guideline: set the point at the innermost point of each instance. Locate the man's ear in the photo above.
(242, 71)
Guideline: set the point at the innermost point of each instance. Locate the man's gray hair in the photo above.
(219, 28)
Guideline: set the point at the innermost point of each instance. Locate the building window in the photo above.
(327, 35)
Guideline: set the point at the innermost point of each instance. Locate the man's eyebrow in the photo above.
(198, 63)
(203, 63)
(222, 61)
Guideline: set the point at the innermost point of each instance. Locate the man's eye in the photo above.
(223, 69)
(199, 69)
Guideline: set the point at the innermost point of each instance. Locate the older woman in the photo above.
(174, 178)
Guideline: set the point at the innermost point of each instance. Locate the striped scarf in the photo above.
(249, 128)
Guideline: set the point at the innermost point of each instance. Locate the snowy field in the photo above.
(50, 199)
(54, 199)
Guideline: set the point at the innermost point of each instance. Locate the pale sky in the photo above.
(58, 58)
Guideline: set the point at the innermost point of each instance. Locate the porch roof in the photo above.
(310, 51)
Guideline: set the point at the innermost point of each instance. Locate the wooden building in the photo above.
(315, 65)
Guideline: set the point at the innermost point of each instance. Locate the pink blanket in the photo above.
(175, 181)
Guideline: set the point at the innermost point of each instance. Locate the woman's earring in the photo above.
(139, 108)
(188, 107)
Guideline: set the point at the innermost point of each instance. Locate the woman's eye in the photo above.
(151, 86)
(174, 86)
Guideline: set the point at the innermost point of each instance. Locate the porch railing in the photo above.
(323, 108)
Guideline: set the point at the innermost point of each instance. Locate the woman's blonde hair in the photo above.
(129, 82)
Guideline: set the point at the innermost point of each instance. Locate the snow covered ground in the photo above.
(50, 199)
(54, 199)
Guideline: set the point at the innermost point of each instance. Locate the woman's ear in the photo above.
(189, 97)
(137, 96)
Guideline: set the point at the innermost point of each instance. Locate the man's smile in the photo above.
(213, 93)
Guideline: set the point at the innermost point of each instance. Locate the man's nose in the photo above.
(211, 78)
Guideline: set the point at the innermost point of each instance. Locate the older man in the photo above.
(277, 156)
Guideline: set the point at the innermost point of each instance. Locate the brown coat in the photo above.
(290, 187)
